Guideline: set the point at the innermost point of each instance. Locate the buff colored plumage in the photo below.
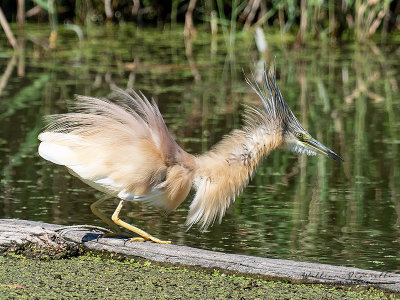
(121, 146)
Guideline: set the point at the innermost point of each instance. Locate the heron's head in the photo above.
(297, 139)
(278, 118)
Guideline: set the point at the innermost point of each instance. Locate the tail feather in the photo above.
(58, 153)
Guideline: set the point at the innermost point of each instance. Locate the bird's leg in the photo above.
(144, 235)
(94, 207)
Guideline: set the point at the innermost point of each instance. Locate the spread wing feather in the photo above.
(123, 149)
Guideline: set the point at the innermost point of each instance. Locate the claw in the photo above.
(151, 238)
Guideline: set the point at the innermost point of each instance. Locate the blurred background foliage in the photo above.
(316, 19)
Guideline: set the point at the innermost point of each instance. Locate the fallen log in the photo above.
(63, 241)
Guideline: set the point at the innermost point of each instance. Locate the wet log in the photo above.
(64, 241)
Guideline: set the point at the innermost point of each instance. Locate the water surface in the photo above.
(304, 208)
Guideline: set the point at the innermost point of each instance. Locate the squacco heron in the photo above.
(123, 148)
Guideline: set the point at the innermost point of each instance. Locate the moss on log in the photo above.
(63, 241)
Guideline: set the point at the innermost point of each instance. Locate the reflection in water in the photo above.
(7, 73)
(309, 209)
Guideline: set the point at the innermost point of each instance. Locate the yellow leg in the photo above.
(94, 207)
(144, 235)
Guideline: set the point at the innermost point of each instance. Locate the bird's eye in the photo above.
(299, 135)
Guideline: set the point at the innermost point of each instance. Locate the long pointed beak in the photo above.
(318, 147)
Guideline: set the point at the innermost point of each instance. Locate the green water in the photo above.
(303, 208)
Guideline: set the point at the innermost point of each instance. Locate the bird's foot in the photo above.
(114, 234)
(150, 238)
